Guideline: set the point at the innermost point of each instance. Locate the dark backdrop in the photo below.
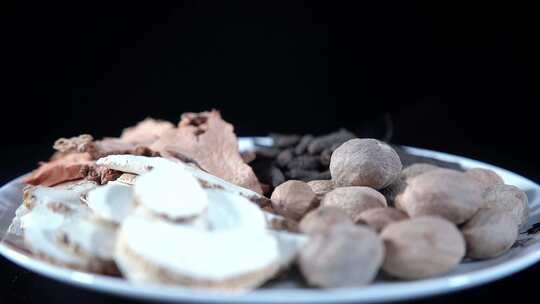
(460, 78)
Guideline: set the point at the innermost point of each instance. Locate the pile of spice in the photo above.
(307, 158)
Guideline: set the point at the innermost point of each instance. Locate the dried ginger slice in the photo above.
(68, 167)
(210, 141)
(146, 132)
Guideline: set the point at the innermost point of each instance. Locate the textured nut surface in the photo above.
(422, 247)
(378, 218)
(293, 199)
(342, 256)
(354, 200)
(321, 186)
(485, 176)
(399, 185)
(490, 233)
(442, 192)
(508, 198)
(323, 218)
(364, 162)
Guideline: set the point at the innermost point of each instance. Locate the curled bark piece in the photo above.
(211, 142)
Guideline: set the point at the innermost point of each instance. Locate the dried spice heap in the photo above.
(297, 157)
(307, 158)
(203, 138)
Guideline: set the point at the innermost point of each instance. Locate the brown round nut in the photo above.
(321, 186)
(508, 198)
(446, 193)
(490, 233)
(485, 176)
(354, 200)
(323, 218)
(422, 247)
(378, 218)
(364, 162)
(399, 185)
(343, 256)
(293, 199)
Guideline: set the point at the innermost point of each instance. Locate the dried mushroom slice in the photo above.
(70, 195)
(127, 179)
(230, 211)
(93, 240)
(69, 239)
(161, 252)
(171, 192)
(111, 202)
(142, 164)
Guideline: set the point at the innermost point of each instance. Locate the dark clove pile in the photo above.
(307, 158)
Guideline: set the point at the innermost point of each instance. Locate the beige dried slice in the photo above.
(490, 233)
(65, 168)
(111, 202)
(343, 256)
(378, 218)
(171, 192)
(146, 132)
(15, 228)
(280, 223)
(127, 178)
(45, 230)
(142, 164)
(227, 210)
(68, 195)
(87, 238)
(155, 252)
(354, 200)
(211, 142)
(289, 244)
(422, 247)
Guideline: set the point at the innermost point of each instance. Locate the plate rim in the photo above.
(375, 293)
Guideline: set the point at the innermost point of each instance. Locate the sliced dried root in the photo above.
(229, 259)
(142, 164)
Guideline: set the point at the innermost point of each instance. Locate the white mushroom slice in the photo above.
(228, 211)
(171, 192)
(143, 164)
(111, 202)
(69, 238)
(43, 195)
(87, 238)
(279, 222)
(40, 236)
(15, 228)
(127, 179)
(289, 246)
(132, 163)
(233, 259)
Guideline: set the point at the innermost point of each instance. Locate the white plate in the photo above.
(466, 275)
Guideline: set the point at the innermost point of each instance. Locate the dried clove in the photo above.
(303, 144)
(284, 157)
(284, 140)
(327, 141)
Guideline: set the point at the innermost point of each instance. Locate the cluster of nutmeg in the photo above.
(414, 223)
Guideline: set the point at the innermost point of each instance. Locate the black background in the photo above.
(460, 78)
